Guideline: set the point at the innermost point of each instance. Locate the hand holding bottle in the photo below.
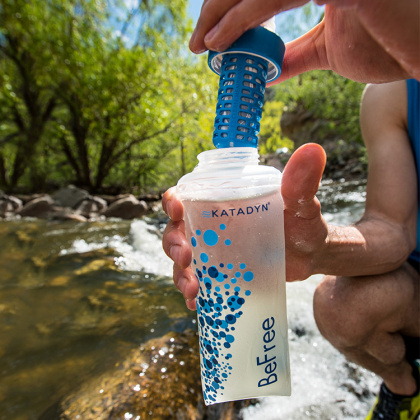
(366, 41)
(305, 229)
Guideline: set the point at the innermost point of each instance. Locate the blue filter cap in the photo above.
(259, 42)
(244, 68)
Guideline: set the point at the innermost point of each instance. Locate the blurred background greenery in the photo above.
(104, 94)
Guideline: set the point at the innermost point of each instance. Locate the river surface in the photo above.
(75, 298)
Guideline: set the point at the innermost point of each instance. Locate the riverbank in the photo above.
(77, 204)
(72, 203)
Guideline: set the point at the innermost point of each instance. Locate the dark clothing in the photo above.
(413, 121)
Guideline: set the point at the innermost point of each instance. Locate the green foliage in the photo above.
(102, 94)
(329, 97)
(270, 138)
(84, 102)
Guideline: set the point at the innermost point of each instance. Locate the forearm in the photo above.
(372, 246)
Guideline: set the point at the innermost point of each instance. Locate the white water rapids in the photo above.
(324, 385)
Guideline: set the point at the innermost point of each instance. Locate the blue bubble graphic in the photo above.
(220, 277)
(248, 276)
(218, 309)
(210, 237)
(213, 272)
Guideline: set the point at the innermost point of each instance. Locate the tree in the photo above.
(271, 138)
(112, 87)
(27, 101)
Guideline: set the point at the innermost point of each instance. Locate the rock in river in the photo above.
(127, 207)
(160, 380)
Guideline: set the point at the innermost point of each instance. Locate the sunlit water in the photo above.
(75, 298)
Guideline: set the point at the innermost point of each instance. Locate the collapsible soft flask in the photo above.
(234, 222)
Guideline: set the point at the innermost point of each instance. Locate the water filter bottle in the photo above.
(234, 222)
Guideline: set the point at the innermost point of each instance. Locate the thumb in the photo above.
(302, 176)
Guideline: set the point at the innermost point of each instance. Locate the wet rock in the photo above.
(9, 205)
(69, 196)
(127, 207)
(65, 213)
(25, 236)
(160, 380)
(91, 207)
(149, 198)
(108, 198)
(25, 198)
(60, 281)
(39, 207)
(96, 265)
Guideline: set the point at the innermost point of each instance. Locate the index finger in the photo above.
(222, 22)
(211, 13)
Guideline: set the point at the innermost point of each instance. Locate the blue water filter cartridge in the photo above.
(234, 222)
(253, 60)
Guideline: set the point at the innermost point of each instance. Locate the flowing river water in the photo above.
(88, 308)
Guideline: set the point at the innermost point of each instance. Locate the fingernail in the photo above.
(191, 43)
(168, 208)
(190, 304)
(175, 252)
(193, 35)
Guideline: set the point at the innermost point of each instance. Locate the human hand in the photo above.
(177, 248)
(363, 41)
(305, 229)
